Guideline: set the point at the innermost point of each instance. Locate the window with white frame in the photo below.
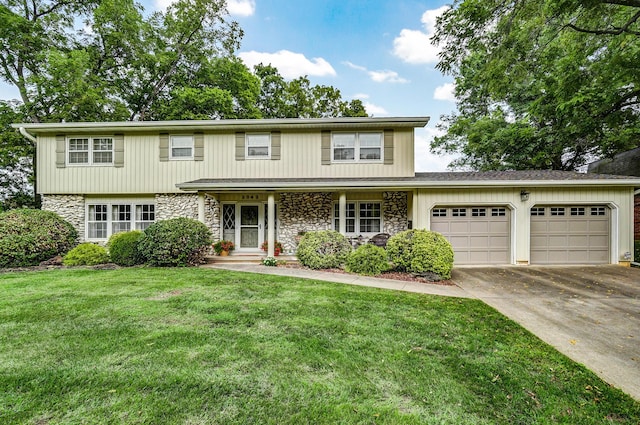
(103, 220)
(361, 217)
(357, 147)
(181, 147)
(258, 146)
(90, 151)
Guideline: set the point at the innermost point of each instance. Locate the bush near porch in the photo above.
(421, 251)
(324, 249)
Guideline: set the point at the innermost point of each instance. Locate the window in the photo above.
(557, 211)
(350, 210)
(459, 212)
(478, 212)
(103, 220)
(357, 147)
(598, 211)
(439, 212)
(181, 147)
(577, 211)
(90, 151)
(498, 212)
(258, 146)
(361, 217)
(537, 211)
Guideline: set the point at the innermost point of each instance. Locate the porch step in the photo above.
(247, 259)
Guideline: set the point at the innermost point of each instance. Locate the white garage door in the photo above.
(569, 234)
(478, 235)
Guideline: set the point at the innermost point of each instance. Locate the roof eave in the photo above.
(228, 125)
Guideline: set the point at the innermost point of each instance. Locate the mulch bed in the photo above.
(391, 275)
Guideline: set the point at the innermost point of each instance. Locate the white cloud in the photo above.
(414, 46)
(384, 76)
(445, 92)
(375, 110)
(425, 161)
(290, 65)
(361, 96)
(241, 7)
(235, 7)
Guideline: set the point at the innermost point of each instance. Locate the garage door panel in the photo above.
(479, 239)
(570, 239)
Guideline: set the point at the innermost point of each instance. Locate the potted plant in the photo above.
(223, 247)
(277, 247)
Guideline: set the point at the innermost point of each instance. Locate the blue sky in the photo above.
(374, 50)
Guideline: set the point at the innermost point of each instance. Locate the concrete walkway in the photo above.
(590, 314)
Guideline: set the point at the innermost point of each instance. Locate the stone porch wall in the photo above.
(176, 205)
(212, 216)
(302, 212)
(394, 212)
(69, 207)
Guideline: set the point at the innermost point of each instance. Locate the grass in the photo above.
(198, 346)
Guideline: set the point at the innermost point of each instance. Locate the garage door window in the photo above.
(598, 211)
(439, 212)
(537, 211)
(577, 211)
(498, 212)
(459, 212)
(556, 211)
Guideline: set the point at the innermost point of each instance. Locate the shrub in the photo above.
(86, 254)
(123, 248)
(175, 242)
(323, 249)
(636, 255)
(28, 237)
(269, 261)
(368, 259)
(420, 251)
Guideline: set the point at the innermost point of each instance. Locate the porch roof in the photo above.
(520, 179)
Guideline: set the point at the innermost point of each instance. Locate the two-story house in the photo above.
(252, 181)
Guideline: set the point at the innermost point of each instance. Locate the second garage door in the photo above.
(567, 234)
(478, 235)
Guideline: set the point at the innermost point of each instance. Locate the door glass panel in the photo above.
(249, 226)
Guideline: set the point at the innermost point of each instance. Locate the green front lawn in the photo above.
(201, 346)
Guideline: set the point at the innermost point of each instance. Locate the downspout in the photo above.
(30, 137)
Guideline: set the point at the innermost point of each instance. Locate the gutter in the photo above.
(28, 135)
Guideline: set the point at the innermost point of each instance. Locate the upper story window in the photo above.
(90, 151)
(181, 147)
(258, 146)
(357, 147)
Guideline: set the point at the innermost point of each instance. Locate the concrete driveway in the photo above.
(589, 313)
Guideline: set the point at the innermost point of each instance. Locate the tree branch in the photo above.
(616, 31)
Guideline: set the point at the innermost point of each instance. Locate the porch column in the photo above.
(342, 208)
(271, 224)
(201, 207)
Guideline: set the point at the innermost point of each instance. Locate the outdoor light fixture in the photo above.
(524, 195)
(627, 256)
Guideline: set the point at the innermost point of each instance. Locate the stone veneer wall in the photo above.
(212, 216)
(303, 212)
(69, 207)
(176, 205)
(394, 212)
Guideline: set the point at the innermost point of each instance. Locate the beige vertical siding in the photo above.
(619, 200)
(143, 172)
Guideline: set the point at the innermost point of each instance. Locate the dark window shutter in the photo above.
(240, 146)
(198, 147)
(164, 147)
(118, 150)
(61, 151)
(388, 146)
(326, 147)
(275, 145)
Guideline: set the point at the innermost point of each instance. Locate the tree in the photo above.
(540, 84)
(298, 98)
(117, 66)
(16, 161)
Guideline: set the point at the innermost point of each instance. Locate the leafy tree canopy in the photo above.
(541, 84)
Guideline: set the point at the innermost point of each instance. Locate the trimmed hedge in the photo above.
(420, 251)
(86, 254)
(177, 242)
(368, 260)
(28, 237)
(324, 249)
(123, 248)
